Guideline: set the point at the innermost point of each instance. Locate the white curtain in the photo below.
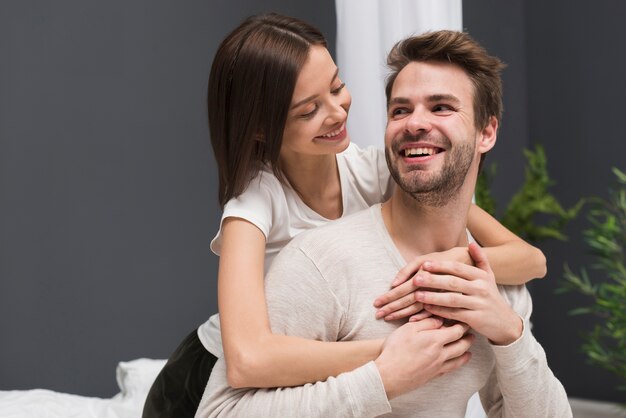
(366, 31)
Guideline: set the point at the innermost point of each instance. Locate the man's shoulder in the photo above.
(315, 255)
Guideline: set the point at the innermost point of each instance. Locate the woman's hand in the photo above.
(470, 295)
(400, 301)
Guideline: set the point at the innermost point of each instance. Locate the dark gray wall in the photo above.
(107, 181)
(572, 63)
(482, 19)
(576, 67)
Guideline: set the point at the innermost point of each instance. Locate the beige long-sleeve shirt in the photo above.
(322, 285)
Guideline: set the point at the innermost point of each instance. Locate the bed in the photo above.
(134, 379)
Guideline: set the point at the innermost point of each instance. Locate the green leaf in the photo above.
(605, 344)
(621, 176)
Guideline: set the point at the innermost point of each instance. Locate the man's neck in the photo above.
(418, 229)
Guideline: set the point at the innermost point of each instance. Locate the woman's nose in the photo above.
(339, 110)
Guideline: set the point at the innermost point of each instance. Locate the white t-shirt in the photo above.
(280, 214)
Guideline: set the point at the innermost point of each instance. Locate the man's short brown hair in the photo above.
(460, 49)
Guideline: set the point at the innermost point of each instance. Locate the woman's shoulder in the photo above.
(261, 200)
(261, 203)
(263, 186)
(342, 231)
(366, 161)
(364, 171)
(369, 153)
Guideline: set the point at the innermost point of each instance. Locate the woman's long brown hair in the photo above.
(251, 85)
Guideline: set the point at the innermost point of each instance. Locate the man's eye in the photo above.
(442, 108)
(398, 111)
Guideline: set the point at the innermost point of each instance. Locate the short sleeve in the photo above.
(256, 205)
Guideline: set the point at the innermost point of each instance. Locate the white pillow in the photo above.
(135, 377)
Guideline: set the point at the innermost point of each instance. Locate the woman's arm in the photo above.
(254, 356)
(512, 259)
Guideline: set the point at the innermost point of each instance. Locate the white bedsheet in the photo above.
(133, 377)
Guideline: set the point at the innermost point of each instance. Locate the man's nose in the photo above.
(418, 121)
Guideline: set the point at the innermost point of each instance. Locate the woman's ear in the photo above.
(488, 135)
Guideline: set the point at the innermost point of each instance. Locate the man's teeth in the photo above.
(416, 152)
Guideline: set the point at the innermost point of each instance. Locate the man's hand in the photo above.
(418, 352)
(470, 295)
(400, 301)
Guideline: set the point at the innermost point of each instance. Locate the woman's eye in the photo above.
(310, 114)
(337, 90)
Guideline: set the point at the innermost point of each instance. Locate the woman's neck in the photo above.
(316, 181)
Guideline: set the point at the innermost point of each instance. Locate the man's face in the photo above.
(430, 140)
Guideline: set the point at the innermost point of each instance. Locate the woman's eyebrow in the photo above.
(313, 96)
(303, 101)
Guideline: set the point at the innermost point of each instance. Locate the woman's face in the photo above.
(316, 122)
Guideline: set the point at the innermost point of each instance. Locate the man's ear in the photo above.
(488, 135)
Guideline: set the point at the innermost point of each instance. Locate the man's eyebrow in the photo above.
(432, 98)
(443, 98)
(313, 96)
(398, 100)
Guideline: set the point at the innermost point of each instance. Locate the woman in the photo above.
(277, 113)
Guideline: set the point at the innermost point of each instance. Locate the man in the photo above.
(444, 104)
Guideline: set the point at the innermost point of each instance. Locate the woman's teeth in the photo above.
(334, 133)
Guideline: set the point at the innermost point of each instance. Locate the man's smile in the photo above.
(418, 153)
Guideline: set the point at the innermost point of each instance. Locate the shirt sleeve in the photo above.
(256, 205)
(301, 303)
(522, 384)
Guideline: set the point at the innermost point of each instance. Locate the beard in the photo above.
(429, 188)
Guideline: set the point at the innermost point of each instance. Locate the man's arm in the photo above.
(522, 384)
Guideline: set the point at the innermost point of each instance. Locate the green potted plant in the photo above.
(530, 201)
(605, 344)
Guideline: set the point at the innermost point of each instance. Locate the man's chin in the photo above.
(419, 182)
